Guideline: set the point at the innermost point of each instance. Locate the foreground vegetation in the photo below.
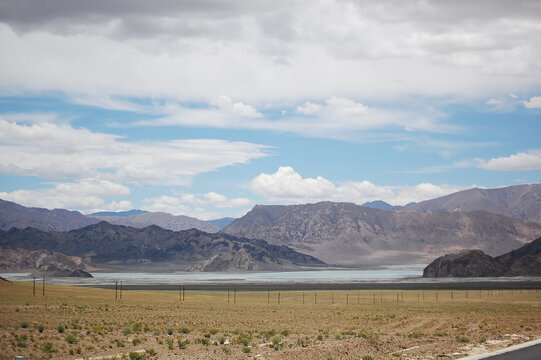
(74, 322)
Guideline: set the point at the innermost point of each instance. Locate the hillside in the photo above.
(163, 220)
(121, 246)
(345, 233)
(525, 261)
(521, 202)
(18, 216)
(53, 263)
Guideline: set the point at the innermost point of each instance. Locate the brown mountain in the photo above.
(163, 220)
(345, 233)
(13, 215)
(521, 202)
(53, 263)
(121, 246)
(525, 261)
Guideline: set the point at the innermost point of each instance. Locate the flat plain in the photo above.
(75, 322)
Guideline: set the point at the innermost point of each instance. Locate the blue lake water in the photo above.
(391, 273)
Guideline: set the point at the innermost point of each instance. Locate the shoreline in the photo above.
(312, 286)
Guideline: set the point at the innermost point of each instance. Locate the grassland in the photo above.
(75, 322)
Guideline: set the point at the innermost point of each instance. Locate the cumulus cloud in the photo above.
(521, 161)
(202, 206)
(533, 103)
(60, 151)
(287, 186)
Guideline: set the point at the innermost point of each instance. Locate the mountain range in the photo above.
(337, 233)
(521, 202)
(525, 261)
(345, 233)
(122, 246)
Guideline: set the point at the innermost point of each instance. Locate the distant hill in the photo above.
(525, 261)
(18, 216)
(345, 233)
(122, 246)
(521, 202)
(378, 204)
(223, 222)
(119, 213)
(53, 263)
(163, 220)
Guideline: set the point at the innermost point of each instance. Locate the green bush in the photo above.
(276, 340)
(182, 344)
(170, 331)
(48, 348)
(61, 328)
(24, 324)
(203, 341)
(221, 340)
(246, 350)
(169, 342)
(462, 339)
(137, 356)
(71, 338)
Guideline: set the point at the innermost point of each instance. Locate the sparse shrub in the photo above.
(24, 324)
(338, 336)
(60, 328)
(367, 357)
(246, 350)
(182, 344)
(151, 351)
(184, 330)
(169, 342)
(441, 334)
(137, 356)
(415, 335)
(285, 333)
(226, 350)
(136, 341)
(71, 338)
(126, 331)
(221, 340)
(276, 340)
(48, 348)
(462, 339)
(482, 340)
(203, 341)
(119, 343)
(170, 331)
(137, 327)
(213, 331)
(244, 340)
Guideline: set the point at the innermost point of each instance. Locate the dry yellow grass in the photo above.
(343, 324)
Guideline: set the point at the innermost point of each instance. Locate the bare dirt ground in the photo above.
(76, 323)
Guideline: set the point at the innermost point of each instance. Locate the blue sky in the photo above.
(206, 109)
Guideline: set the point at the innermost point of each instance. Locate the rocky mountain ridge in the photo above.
(349, 234)
(117, 245)
(525, 261)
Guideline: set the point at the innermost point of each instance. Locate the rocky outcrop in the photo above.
(521, 202)
(117, 245)
(525, 261)
(345, 233)
(54, 264)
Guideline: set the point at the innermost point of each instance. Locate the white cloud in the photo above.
(287, 186)
(236, 109)
(309, 108)
(206, 206)
(254, 51)
(517, 162)
(533, 103)
(86, 195)
(60, 151)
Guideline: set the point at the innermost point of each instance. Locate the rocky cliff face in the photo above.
(525, 261)
(344, 233)
(521, 202)
(54, 264)
(105, 244)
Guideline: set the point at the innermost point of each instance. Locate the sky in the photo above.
(207, 108)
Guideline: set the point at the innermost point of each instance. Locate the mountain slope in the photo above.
(521, 202)
(55, 264)
(525, 261)
(18, 216)
(108, 244)
(345, 233)
(163, 220)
